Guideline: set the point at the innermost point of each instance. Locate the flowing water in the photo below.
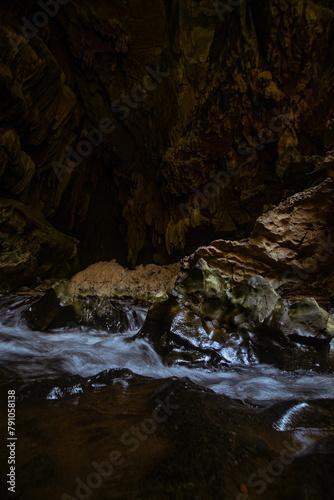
(33, 355)
(99, 415)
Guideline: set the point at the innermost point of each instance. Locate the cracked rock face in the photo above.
(293, 241)
(212, 93)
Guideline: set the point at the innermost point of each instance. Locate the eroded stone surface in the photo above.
(31, 247)
(109, 279)
(224, 84)
(293, 241)
(245, 323)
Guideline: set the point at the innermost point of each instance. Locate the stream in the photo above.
(86, 352)
(68, 379)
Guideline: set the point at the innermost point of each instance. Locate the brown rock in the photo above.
(329, 163)
(294, 240)
(31, 238)
(109, 279)
(224, 88)
(16, 269)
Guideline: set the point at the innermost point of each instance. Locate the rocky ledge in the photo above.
(109, 279)
(292, 242)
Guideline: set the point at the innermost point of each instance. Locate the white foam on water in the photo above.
(36, 355)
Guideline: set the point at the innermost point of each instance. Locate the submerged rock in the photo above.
(48, 313)
(89, 435)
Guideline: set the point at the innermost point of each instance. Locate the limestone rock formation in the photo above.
(293, 241)
(193, 100)
(31, 247)
(109, 279)
(246, 323)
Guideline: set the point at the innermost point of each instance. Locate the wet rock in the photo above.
(252, 301)
(179, 335)
(312, 320)
(47, 313)
(157, 325)
(272, 346)
(203, 290)
(310, 325)
(222, 446)
(109, 314)
(207, 321)
(202, 282)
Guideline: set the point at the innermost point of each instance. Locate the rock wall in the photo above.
(192, 98)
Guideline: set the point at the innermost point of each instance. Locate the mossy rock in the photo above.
(202, 282)
(310, 319)
(17, 269)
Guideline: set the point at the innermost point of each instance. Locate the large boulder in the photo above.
(293, 241)
(312, 319)
(208, 321)
(108, 279)
(47, 313)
